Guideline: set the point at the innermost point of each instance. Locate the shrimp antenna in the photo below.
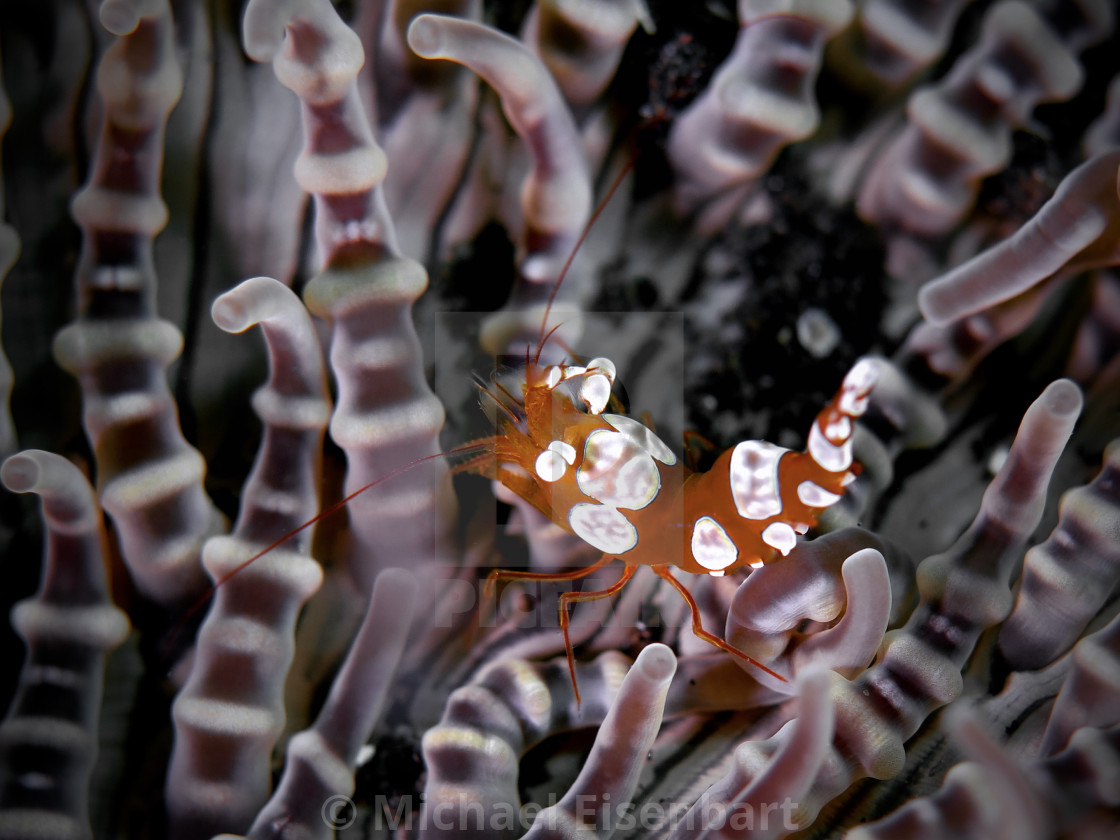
(542, 337)
(486, 392)
(475, 446)
(505, 391)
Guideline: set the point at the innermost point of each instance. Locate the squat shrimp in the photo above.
(609, 480)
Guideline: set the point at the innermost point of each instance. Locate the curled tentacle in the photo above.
(149, 478)
(226, 730)
(760, 99)
(555, 200)
(830, 578)
(48, 741)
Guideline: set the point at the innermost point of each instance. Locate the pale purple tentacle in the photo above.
(891, 41)
(149, 478)
(1067, 578)
(838, 575)
(760, 100)
(401, 73)
(319, 772)
(1074, 230)
(386, 418)
(963, 591)
(428, 136)
(1070, 790)
(472, 755)
(960, 129)
(121, 17)
(987, 797)
(581, 42)
(772, 775)
(219, 775)
(48, 741)
(598, 798)
(1090, 695)
(555, 197)
(1104, 133)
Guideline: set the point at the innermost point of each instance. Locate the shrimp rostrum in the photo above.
(609, 480)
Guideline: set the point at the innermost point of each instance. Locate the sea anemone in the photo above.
(736, 204)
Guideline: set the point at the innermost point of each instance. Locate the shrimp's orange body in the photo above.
(612, 482)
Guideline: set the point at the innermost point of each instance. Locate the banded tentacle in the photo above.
(149, 478)
(472, 755)
(581, 43)
(387, 416)
(48, 741)
(891, 41)
(554, 202)
(321, 759)
(1067, 578)
(225, 731)
(1065, 790)
(761, 99)
(959, 131)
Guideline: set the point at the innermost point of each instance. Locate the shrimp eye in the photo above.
(555, 460)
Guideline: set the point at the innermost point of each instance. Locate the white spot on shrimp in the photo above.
(779, 536)
(754, 479)
(550, 466)
(827, 454)
(642, 437)
(712, 548)
(839, 429)
(603, 527)
(616, 472)
(552, 377)
(857, 385)
(553, 462)
(816, 496)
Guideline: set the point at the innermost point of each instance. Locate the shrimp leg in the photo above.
(578, 597)
(698, 629)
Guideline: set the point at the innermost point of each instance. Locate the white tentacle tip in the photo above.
(657, 662)
(1063, 398)
(229, 314)
(424, 36)
(20, 473)
(120, 17)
